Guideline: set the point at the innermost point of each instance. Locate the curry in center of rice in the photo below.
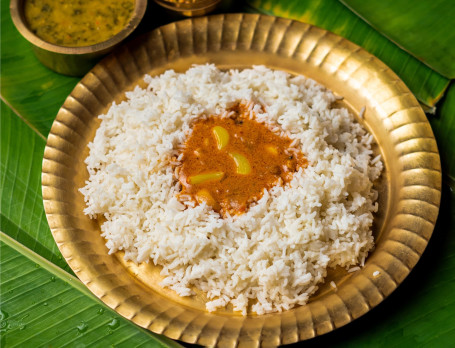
(227, 162)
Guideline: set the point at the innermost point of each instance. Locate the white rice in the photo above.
(273, 256)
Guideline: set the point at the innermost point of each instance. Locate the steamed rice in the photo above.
(272, 257)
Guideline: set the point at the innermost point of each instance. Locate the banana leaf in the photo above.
(43, 305)
(35, 92)
(414, 314)
(429, 38)
(444, 130)
(22, 212)
(427, 85)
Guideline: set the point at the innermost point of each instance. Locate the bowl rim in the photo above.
(18, 17)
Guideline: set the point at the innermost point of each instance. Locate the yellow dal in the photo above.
(77, 23)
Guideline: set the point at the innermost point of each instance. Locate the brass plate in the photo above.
(410, 187)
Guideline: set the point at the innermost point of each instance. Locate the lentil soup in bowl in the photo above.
(70, 37)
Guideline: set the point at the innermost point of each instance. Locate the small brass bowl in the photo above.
(73, 61)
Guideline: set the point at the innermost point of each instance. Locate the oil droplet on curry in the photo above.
(228, 162)
(77, 23)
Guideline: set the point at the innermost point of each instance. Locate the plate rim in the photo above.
(277, 328)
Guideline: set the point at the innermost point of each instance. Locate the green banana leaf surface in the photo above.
(22, 214)
(427, 85)
(43, 304)
(424, 28)
(444, 129)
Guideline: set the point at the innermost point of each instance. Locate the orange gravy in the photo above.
(263, 158)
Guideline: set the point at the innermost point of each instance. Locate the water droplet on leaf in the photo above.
(3, 314)
(101, 311)
(82, 327)
(52, 279)
(113, 324)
